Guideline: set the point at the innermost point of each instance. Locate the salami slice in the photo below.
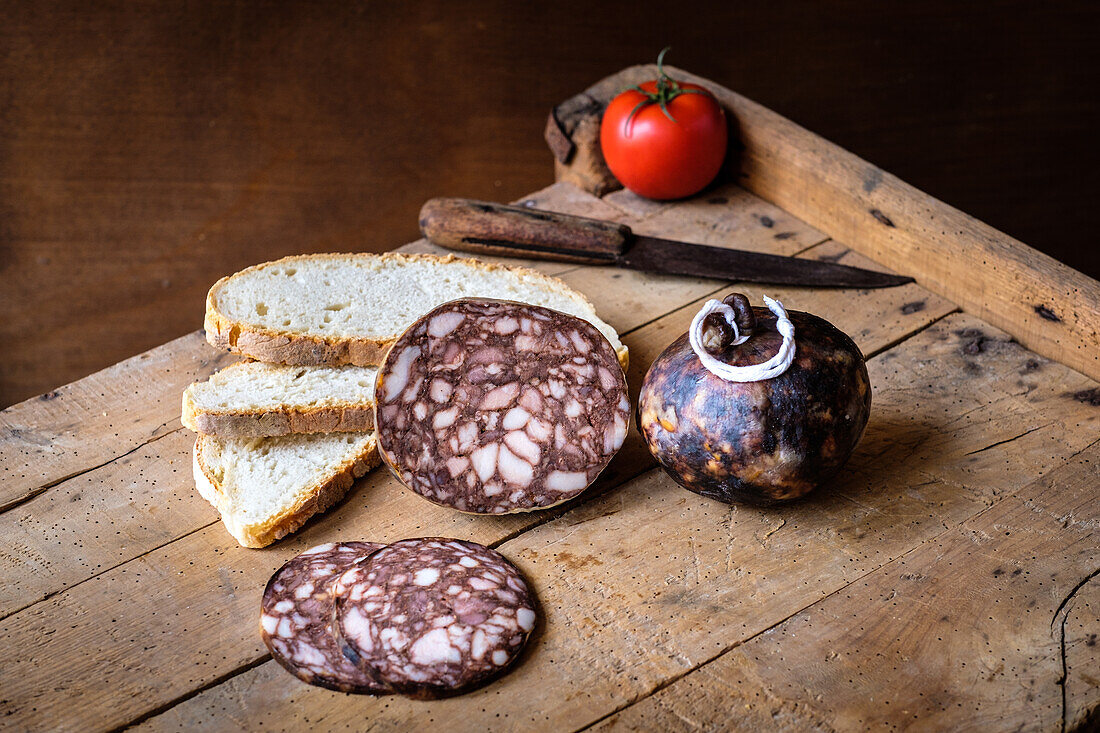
(296, 616)
(491, 407)
(433, 617)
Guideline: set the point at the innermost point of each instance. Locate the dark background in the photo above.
(148, 148)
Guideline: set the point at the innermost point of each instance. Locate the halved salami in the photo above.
(433, 617)
(491, 407)
(296, 618)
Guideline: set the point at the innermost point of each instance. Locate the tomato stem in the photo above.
(667, 90)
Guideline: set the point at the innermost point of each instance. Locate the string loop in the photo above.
(773, 367)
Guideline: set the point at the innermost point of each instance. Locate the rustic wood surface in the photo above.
(944, 575)
(1047, 306)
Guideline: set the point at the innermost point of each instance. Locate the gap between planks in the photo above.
(93, 576)
(16, 503)
(897, 342)
(165, 707)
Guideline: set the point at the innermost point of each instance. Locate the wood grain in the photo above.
(918, 642)
(90, 422)
(484, 227)
(1046, 305)
(648, 582)
(728, 216)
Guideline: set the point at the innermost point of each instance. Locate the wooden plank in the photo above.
(746, 217)
(568, 199)
(66, 547)
(1047, 306)
(99, 418)
(376, 509)
(982, 627)
(728, 216)
(649, 582)
(1078, 631)
(99, 520)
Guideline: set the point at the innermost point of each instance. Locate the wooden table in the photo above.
(942, 582)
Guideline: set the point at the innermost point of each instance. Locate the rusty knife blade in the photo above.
(653, 254)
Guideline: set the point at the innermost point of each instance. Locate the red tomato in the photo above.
(655, 156)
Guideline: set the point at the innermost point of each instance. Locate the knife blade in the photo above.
(518, 231)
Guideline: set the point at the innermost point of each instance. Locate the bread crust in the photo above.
(299, 349)
(283, 420)
(310, 501)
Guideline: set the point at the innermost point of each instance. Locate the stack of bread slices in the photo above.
(284, 433)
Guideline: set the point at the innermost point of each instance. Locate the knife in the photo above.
(518, 231)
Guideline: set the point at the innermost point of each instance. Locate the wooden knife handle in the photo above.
(517, 231)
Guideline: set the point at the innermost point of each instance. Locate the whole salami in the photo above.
(763, 440)
(296, 615)
(433, 617)
(492, 407)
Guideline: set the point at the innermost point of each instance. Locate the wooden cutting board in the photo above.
(942, 582)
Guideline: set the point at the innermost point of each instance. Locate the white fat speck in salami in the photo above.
(492, 407)
(296, 618)
(448, 615)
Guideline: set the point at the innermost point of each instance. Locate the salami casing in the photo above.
(757, 442)
(492, 407)
(296, 618)
(433, 617)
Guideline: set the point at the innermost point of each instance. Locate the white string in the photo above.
(773, 367)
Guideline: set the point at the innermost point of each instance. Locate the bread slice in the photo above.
(266, 488)
(256, 400)
(348, 308)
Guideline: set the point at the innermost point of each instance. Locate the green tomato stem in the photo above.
(667, 90)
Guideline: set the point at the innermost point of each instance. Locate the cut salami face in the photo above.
(433, 617)
(296, 618)
(491, 407)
